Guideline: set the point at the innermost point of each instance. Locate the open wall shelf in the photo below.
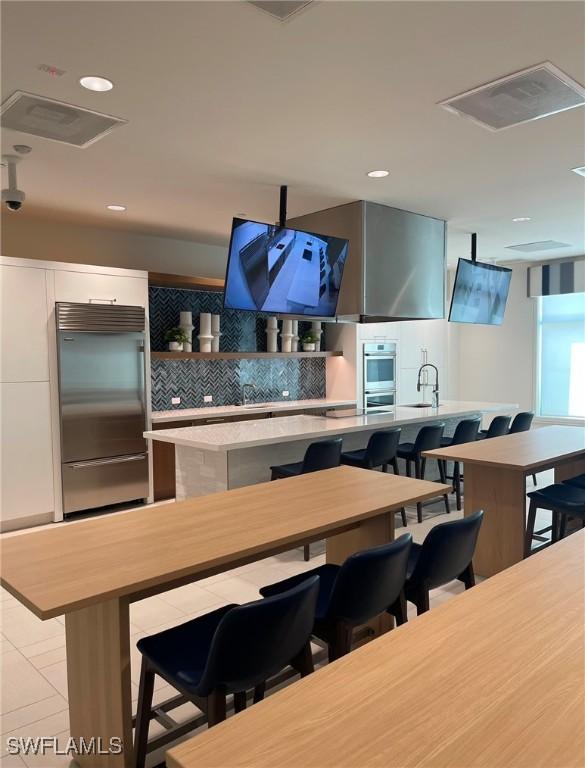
(237, 355)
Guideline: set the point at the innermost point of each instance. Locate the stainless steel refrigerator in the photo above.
(102, 401)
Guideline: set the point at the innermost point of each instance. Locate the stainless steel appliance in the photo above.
(379, 367)
(102, 404)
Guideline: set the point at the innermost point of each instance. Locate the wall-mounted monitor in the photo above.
(479, 293)
(283, 271)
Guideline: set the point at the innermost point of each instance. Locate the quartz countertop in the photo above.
(211, 412)
(246, 434)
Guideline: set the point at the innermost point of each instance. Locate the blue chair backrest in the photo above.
(499, 426)
(369, 581)
(429, 437)
(466, 431)
(322, 455)
(382, 447)
(522, 422)
(257, 640)
(446, 551)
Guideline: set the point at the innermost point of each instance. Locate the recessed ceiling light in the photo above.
(378, 174)
(522, 218)
(580, 171)
(117, 208)
(94, 83)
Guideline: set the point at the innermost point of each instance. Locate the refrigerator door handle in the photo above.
(101, 462)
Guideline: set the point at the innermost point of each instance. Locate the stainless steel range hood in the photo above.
(396, 264)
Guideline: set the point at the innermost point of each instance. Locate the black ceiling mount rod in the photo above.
(282, 211)
(473, 247)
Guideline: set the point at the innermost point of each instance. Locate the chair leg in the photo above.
(216, 708)
(422, 601)
(403, 516)
(385, 467)
(468, 577)
(395, 466)
(442, 470)
(340, 644)
(145, 692)
(417, 473)
(259, 692)
(303, 662)
(423, 466)
(399, 610)
(307, 552)
(239, 701)
(530, 528)
(408, 468)
(534, 480)
(457, 484)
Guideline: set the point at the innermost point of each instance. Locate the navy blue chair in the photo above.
(379, 452)
(445, 555)
(563, 501)
(577, 482)
(230, 650)
(498, 427)
(427, 439)
(466, 431)
(367, 584)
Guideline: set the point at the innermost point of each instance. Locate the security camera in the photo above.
(12, 197)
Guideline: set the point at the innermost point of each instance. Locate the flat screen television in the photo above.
(479, 293)
(283, 271)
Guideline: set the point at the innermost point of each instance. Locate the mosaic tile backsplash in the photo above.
(190, 380)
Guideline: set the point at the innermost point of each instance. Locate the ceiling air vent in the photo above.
(542, 245)
(533, 93)
(56, 120)
(281, 9)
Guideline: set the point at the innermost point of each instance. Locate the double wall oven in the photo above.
(379, 364)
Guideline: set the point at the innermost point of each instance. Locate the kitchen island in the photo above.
(218, 457)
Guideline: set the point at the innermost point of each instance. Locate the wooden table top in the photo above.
(490, 679)
(527, 451)
(70, 566)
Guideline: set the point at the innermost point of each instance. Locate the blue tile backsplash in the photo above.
(190, 380)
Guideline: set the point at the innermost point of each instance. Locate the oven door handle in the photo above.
(103, 462)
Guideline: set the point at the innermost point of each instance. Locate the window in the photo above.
(561, 326)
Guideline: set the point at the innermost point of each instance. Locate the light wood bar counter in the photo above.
(92, 570)
(491, 679)
(495, 481)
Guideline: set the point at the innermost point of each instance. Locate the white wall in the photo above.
(498, 363)
(38, 238)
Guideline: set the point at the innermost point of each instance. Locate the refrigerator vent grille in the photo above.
(99, 317)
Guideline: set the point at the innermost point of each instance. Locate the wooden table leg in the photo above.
(569, 469)
(370, 533)
(501, 493)
(98, 672)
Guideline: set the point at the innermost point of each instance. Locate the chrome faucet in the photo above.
(435, 400)
(244, 390)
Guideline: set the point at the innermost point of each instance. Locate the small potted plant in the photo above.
(309, 341)
(176, 337)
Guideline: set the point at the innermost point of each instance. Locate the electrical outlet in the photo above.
(207, 398)
(175, 401)
(285, 392)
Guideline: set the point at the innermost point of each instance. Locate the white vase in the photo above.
(215, 332)
(272, 335)
(175, 346)
(316, 329)
(309, 347)
(295, 338)
(215, 342)
(205, 342)
(186, 325)
(286, 336)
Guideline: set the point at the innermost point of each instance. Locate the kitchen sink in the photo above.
(418, 405)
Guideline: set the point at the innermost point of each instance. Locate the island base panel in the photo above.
(98, 675)
(569, 469)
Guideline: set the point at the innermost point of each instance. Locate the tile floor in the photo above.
(33, 699)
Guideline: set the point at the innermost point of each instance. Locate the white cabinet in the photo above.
(421, 341)
(412, 343)
(27, 459)
(90, 287)
(407, 393)
(23, 318)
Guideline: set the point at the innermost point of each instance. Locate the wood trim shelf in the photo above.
(163, 280)
(236, 355)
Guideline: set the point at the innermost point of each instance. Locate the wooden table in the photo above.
(495, 481)
(92, 570)
(491, 679)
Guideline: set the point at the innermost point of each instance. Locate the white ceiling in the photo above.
(224, 104)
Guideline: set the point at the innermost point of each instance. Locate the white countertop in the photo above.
(246, 434)
(210, 412)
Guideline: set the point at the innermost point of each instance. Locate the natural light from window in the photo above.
(562, 355)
